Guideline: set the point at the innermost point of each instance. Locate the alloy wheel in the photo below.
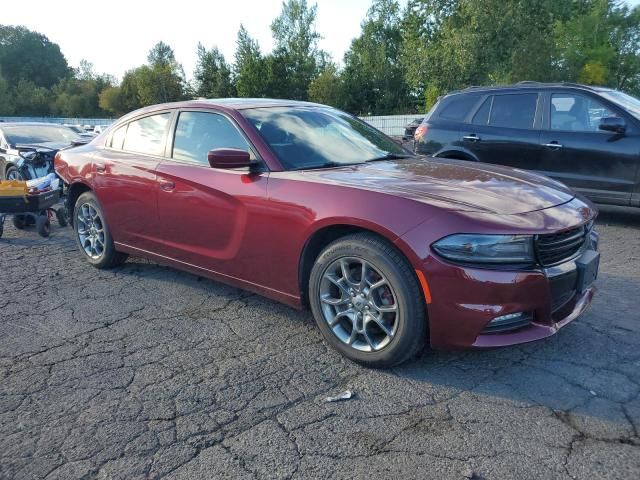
(91, 231)
(359, 304)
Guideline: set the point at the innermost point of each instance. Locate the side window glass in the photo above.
(482, 115)
(147, 134)
(458, 107)
(199, 132)
(514, 111)
(576, 113)
(117, 139)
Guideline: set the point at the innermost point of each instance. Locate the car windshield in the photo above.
(629, 103)
(318, 137)
(38, 134)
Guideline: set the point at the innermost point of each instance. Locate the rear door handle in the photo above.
(554, 145)
(101, 168)
(472, 137)
(166, 185)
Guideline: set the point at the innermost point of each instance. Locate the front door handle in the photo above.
(554, 145)
(166, 185)
(471, 138)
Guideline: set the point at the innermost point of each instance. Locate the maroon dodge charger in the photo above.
(308, 205)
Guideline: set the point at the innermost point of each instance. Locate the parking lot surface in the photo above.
(147, 372)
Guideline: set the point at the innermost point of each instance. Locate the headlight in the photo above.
(487, 249)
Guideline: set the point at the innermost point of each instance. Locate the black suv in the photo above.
(585, 137)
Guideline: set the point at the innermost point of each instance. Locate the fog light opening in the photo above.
(508, 322)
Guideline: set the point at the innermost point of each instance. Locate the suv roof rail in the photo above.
(550, 84)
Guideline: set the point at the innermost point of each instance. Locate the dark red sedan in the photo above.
(311, 206)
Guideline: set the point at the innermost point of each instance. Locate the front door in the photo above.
(601, 165)
(211, 217)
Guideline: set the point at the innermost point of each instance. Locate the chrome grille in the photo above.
(554, 248)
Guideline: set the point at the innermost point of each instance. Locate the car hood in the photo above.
(452, 184)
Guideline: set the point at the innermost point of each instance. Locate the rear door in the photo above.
(125, 179)
(601, 165)
(212, 218)
(504, 130)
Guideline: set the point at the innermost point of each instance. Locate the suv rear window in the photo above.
(514, 111)
(458, 107)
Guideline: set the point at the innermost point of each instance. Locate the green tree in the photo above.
(162, 80)
(249, 67)
(212, 76)
(6, 99)
(30, 99)
(297, 57)
(123, 98)
(327, 87)
(374, 76)
(30, 56)
(600, 44)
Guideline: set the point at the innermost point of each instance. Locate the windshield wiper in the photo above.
(391, 156)
(327, 165)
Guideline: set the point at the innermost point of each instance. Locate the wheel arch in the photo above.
(459, 154)
(73, 192)
(326, 234)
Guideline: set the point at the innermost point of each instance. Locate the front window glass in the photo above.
(514, 111)
(629, 103)
(317, 137)
(199, 132)
(39, 134)
(147, 134)
(576, 113)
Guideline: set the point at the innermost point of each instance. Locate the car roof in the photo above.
(231, 104)
(529, 85)
(30, 124)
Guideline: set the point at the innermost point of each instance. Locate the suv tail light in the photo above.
(421, 131)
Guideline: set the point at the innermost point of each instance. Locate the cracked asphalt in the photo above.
(147, 372)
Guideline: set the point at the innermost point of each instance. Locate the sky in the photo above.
(116, 35)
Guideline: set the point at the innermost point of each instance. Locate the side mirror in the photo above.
(229, 158)
(612, 124)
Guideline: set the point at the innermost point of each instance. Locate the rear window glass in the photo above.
(514, 111)
(458, 107)
(482, 115)
(147, 134)
(118, 137)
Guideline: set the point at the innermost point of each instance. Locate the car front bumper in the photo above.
(465, 301)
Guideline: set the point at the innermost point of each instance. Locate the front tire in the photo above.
(367, 301)
(92, 233)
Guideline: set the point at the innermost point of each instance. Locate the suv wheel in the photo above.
(367, 302)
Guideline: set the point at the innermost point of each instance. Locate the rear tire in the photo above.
(93, 235)
(389, 320)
